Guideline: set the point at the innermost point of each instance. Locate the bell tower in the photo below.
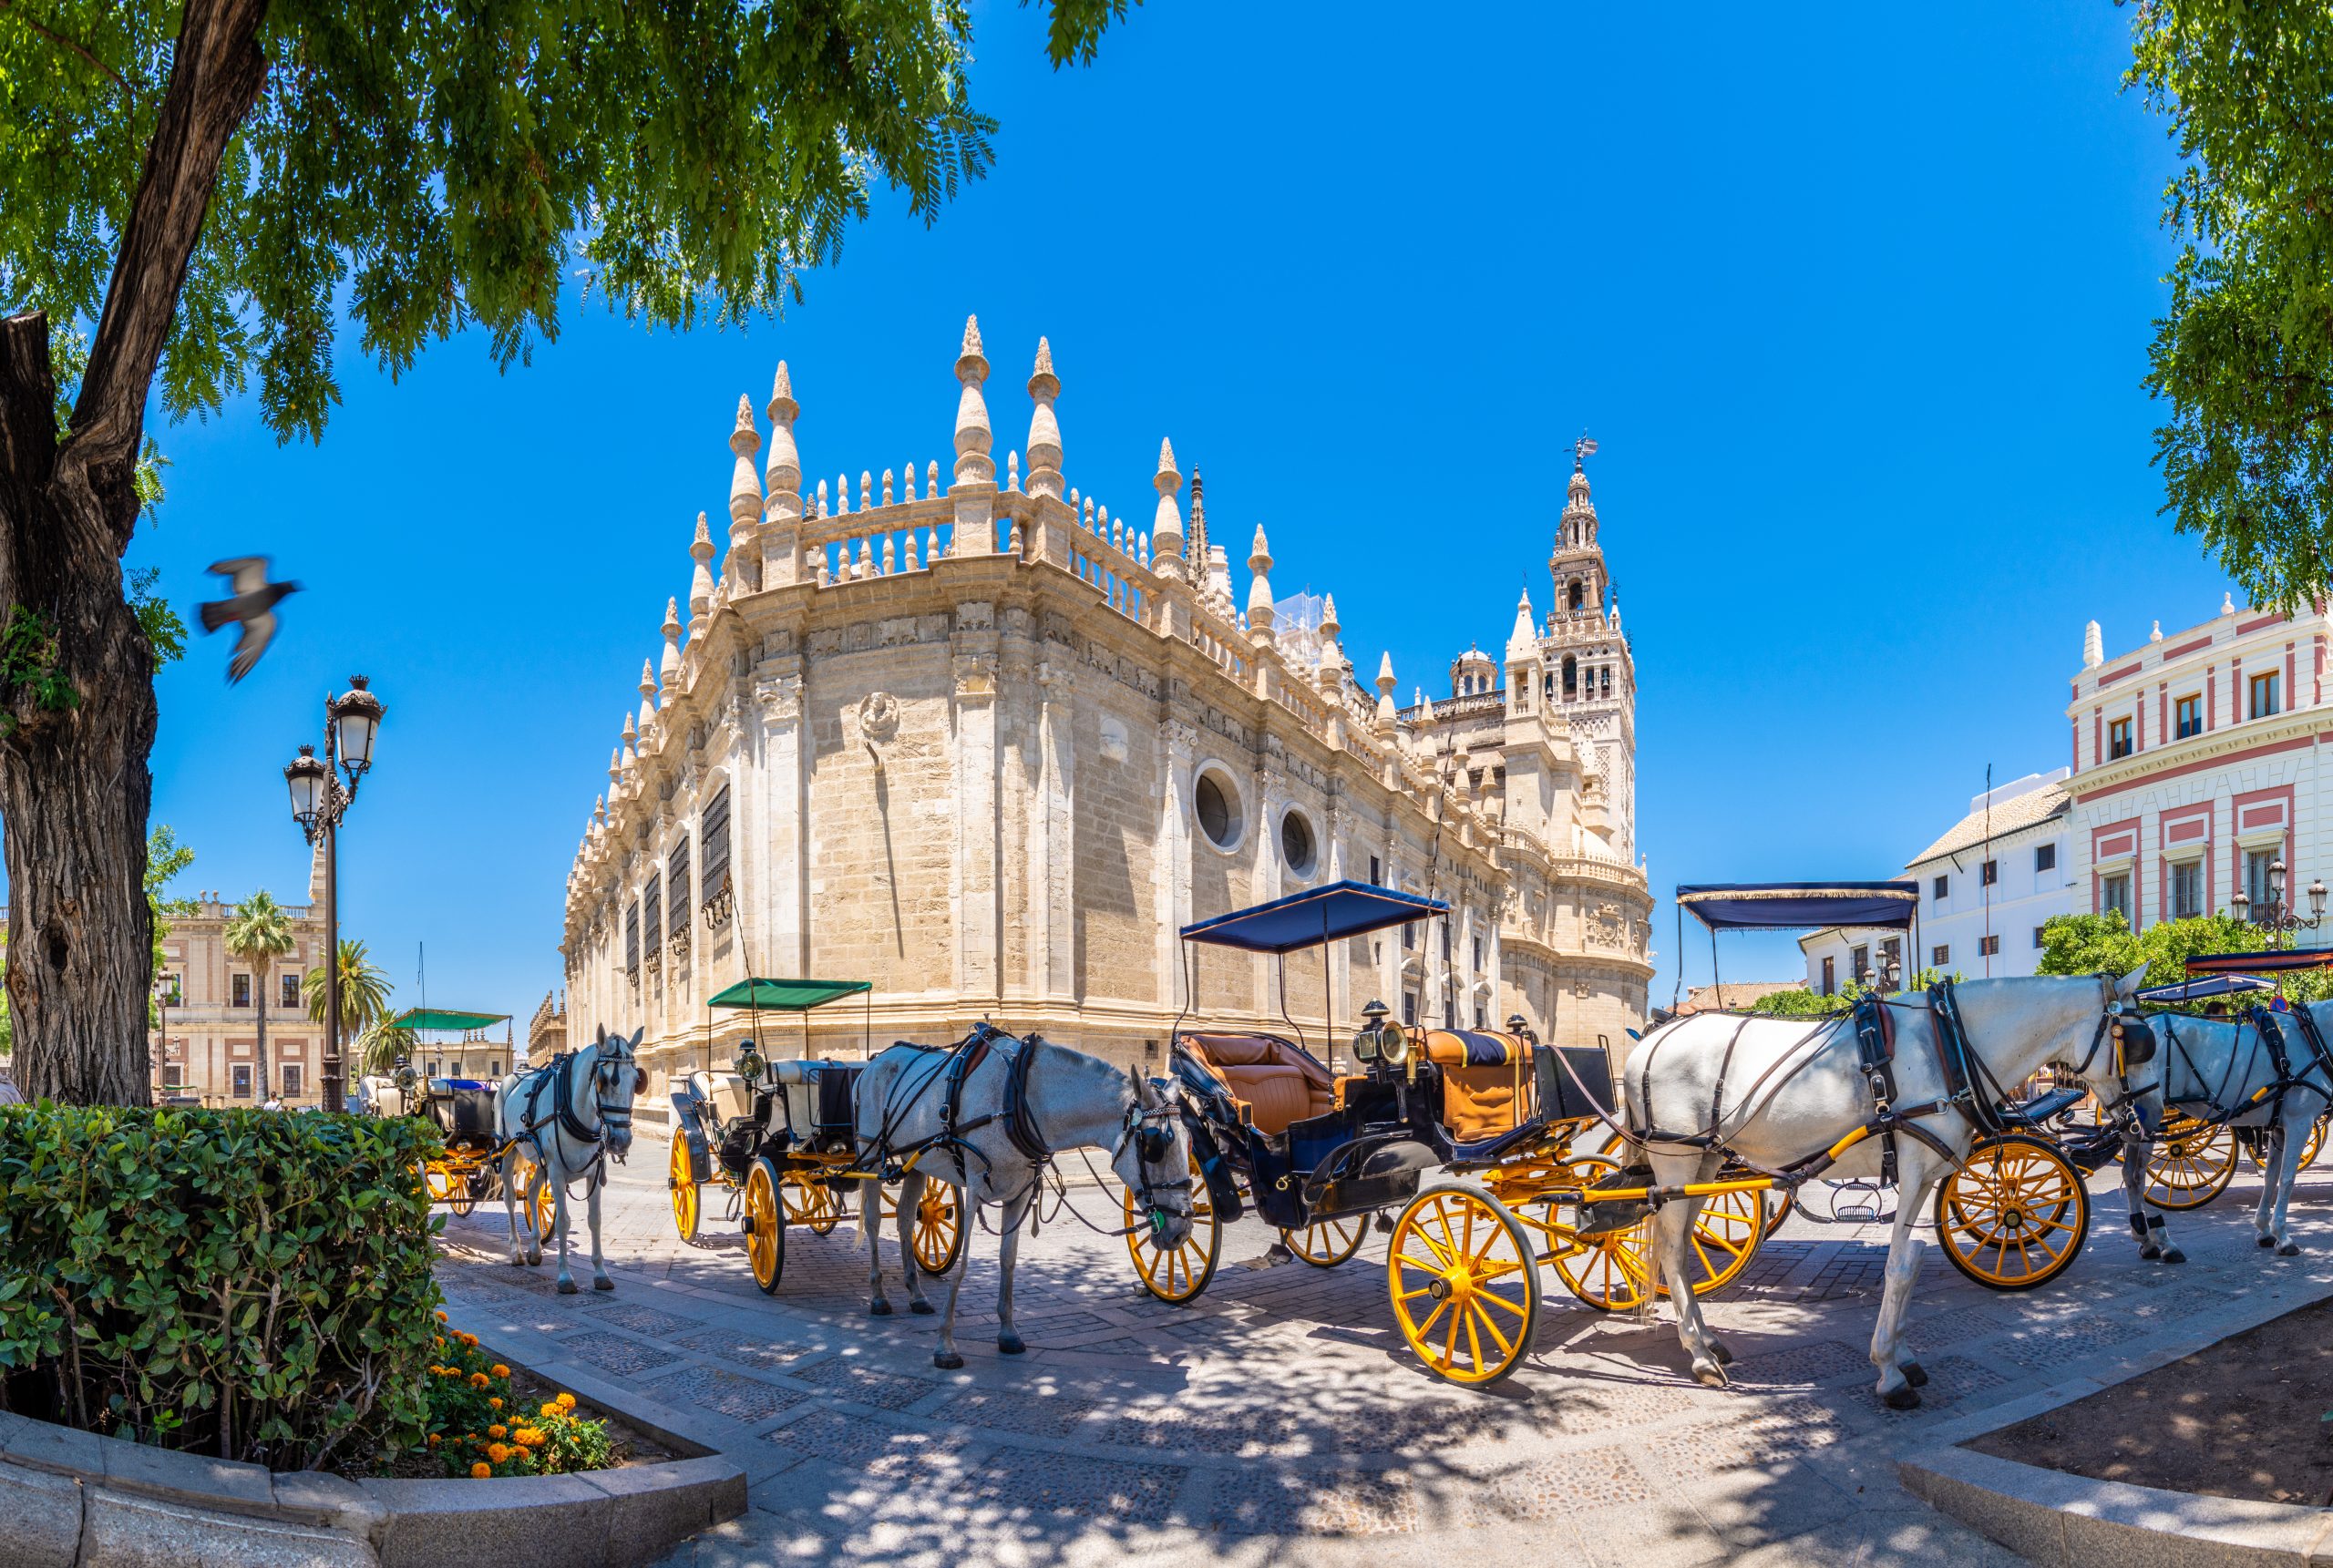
(1591, 680)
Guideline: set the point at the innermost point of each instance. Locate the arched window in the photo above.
(1571, 677)
(1579, 594)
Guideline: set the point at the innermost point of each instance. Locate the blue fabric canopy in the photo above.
(2205, 989)
(1309, 919)
(2274, 961)
(1800, 905)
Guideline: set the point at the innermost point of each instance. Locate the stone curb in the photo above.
(2064, 1521)
(71, 1498)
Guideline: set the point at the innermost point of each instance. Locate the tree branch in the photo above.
(63, 42)
(216, 74)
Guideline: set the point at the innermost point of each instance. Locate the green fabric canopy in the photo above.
(788, 996)
(439, 1018)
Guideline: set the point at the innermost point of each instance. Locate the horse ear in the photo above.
(1141, 1086)
(2128, 986)
(602, 1037)
(637, 1036)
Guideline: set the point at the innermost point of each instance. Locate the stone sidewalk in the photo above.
(1281, 1419)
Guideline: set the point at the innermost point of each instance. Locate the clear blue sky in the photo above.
(1857, 303)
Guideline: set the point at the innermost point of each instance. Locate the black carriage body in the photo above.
(464, 1112)
(813, 1112)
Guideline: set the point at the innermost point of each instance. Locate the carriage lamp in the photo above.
(355, 716)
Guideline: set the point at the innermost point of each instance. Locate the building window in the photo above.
(493, 1068)
(1992, 873)
(2188, 716)
(1445, 941)
(1571, 670)
(1859, 963)
(2264, 695)
(2118, 738)
(1478, 1015)
(1940, 954)
(2037, 938)
(2045, 858)
(242, 1080)
(631, 941)
(1988, 947)
(712, 835)
(1410, 1008)
(1409, 936)
(1891, 955)
(2255, 879)
(676, 887)
(651, 914)
(1830, 977)
(290, 990)
(239, 988)
(291, 1081)
(1296, 846)
(1478, 953)
(2115, 894)
(1376, 873)
(1217, 809)
(1943, 886)
(2186, 889)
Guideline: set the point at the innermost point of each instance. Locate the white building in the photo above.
(2196, 764)
(1986, 888)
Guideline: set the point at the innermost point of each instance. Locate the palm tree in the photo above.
(379, 1047)
(259, 935)
(364, 998)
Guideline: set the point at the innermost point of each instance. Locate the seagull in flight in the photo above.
(253, 606)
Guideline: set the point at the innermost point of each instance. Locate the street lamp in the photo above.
(2274, 913)
(319, 801)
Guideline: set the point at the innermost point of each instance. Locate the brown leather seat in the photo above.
(1481, 1093)
(1276, 1081)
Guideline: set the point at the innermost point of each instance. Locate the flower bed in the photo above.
(482, 1425)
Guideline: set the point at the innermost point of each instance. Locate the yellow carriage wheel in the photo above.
(1175, 1275)
(1778, 1203)
(2191, 1162)
(461, 1174)
(937, 1238)
(811, 1201)
(1726, 1232)
(765, 1223)
(437, 1175)
(2309, 1148)
(1612, 1272)
(688, 1205)
(2015, 1214)
(544, 1207)
(1324, 1243)
(1465, 1279)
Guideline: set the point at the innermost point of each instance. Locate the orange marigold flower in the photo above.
(438, 1342)
(498, 1430)
(527, 1438)
(433, 1440)
(480, 1471)
(567, 1401)
(441, 1317)
(498, 1452)
(552, 1408)
(500, 1370)
(496, 1401)
(478, 1380)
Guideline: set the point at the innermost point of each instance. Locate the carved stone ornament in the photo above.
(879, 716)
(1582, 990)
(1605, 929)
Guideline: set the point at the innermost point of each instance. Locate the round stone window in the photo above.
(1217, 809)
(1296, 844)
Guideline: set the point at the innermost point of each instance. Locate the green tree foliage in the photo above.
(363, 992)
(2105, 945)
(165, 858)
(1805, 1002)
(2245, 358)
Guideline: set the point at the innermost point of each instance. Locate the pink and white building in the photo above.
(2199, 760)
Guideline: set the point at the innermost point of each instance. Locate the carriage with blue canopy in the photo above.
(1321, 1154)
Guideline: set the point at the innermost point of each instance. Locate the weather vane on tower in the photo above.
(1581, 450)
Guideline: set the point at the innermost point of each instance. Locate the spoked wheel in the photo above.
(2309, 1148)
(1175, 1275)
(765, 1223)
(1464, 1280)
(2192, 1162)
(688, 1203)
(544, 1207)
(463, 1199)
(2015, 1216)
(1612, 1272)
(439, 1178)
(1324, 1243)
(815, 1204)
(1725, 1237)
(1778, 1203)
(938, 1238)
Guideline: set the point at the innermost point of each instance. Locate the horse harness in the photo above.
(560, 1077)
(2269, 1027)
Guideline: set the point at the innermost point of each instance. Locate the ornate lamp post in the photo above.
(2278, 917)
(319, 801)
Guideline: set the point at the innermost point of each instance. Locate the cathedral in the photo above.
(988, 744)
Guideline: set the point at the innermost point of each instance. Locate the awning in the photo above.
(1800, 905)
(788, 996)
(2272, 962)
(2205, 987)
(443, 1018)
(1309, 919)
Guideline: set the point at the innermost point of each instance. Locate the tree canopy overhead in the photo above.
(2245, 358)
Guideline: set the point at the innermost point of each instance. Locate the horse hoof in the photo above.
(921, 1308)
(534, 1260)
(603, 1284)
(947, 1360)
(1012, 1344)
(1914, 1373)
(2150, 1254)
(2264, 1241)
(2173, 1254)
(567, 1288)
(1707, 1371)
(1906, 1398)
(1723, 1351)
(878, 1310)
(2290, 1249)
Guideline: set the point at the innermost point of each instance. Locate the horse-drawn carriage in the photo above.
(777, 1136)
(462, 1110)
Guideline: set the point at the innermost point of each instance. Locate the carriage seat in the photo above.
(724, 1094)
(1479, 1078)
(1279, 1084)
(461, 1107)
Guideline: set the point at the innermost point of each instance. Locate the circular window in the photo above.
(1296, 844)
(1217, 808)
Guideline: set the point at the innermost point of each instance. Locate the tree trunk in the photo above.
(265, 1090)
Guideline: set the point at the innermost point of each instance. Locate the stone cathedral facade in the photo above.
(990, 745)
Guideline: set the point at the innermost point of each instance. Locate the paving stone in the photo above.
(1821, 1362)
(1038, 1414)
(1558, 1486)
(2055, 1345)
(614, 1353)
(846, 1380)
(1262, 1501)
(642, 1320)
(1780, 1435)
(736, 1345)
(1038, 1482)
(748, 1401)
(875, 1443)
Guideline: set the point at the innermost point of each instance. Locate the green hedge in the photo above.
(248, 1284)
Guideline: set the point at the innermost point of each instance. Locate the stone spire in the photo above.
(781, 552)
(2227, 605)
(1167, 528)
(647, 697)
(1387, 715)
(745, 488)
(1198, 549)
(974, 491)
(2094, 650)
(625, 752)
(701, 580)
(2156, 635)
(1259, 592)
(1044, 432)
(1523, 642)
(668, 672)
(1331, 667)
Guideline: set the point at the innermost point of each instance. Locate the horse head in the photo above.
(616, 1078)
(1153, 1158)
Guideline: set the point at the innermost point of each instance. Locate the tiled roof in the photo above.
(1736, 994)
(2007, 817)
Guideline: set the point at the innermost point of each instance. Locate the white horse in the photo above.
(2210, 1067)
(1070, 1101)
(1790, 1093)
(566, 1118)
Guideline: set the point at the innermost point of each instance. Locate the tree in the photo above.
(363, 993)
(378, 1050)
(2245, 358)
(258, 934)
(165, 858)
(2105, 945)
(190, 191)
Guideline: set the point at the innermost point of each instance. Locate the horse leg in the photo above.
(1900, 1373)
(2282, 1171)
(910, 1202)
(510, 1206)
(947, 1358)
(1672, 1229)
(2272, 1159)
(558, 1224)
(2154, 1235)
(870, 1220)
(599, 1280)
(1008, 1340)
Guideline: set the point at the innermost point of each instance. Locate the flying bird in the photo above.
(253, 606)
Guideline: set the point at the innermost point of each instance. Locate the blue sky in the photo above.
(1857, 300)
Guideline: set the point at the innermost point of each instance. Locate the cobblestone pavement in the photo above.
(1281, 1419)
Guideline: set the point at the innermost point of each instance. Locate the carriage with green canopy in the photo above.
(461, 1107)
